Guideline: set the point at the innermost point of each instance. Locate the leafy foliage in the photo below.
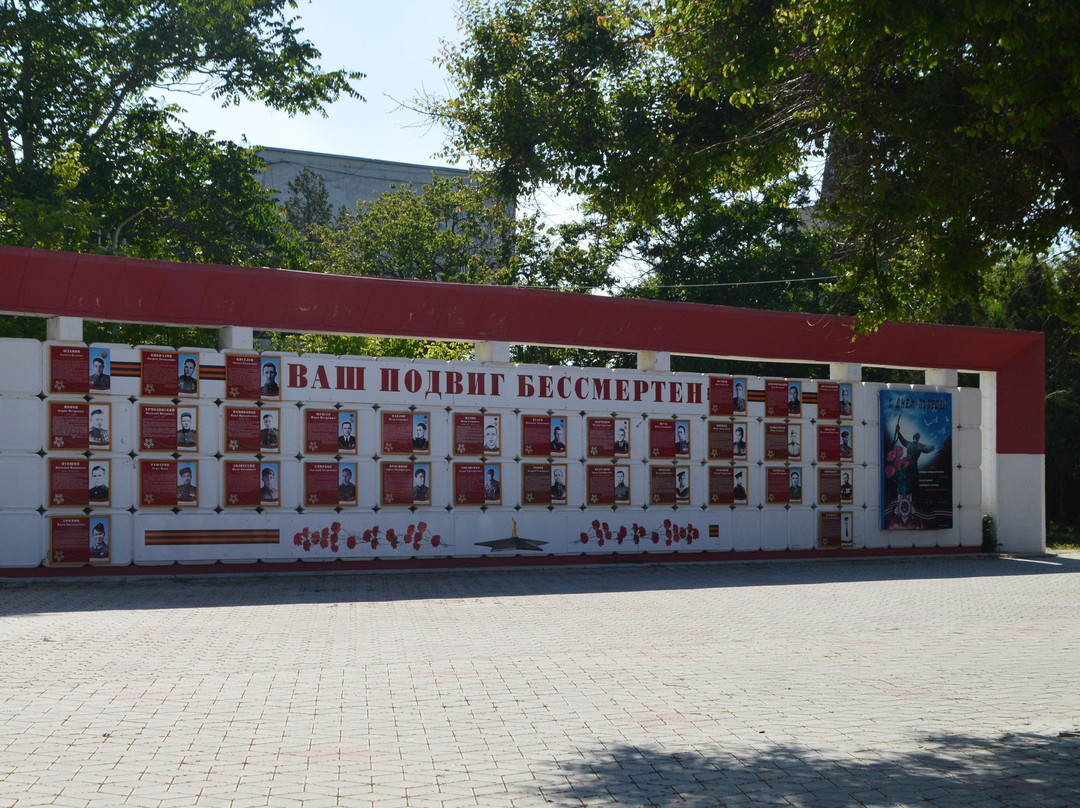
(950, 131)
(90, 161)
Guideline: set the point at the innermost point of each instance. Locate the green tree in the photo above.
(308, 207)
(950, 131)
(84, 141)
(451, 230)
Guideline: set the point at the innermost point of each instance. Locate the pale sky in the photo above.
(393, 43)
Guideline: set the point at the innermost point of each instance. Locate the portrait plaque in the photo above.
(600, 437)
(828, 530)
(397, 434)
(662, 484)
(69, 425)
(828, 400)
(721, 401)
(321, 431)
(776, 485)
(468, 434)
(397, 481)
(68, 369)
(243, 376)
(158, 483)
(535, 484)
(661, 438)
(828, 443)
(157, 428)
(321, 483)
(242, 483)
(828, 486)
(776, 442)
(776, 398)
(69, 539)
(468, 483)
(600, 485)
(242, 430)
(158, 373)
(69, 483)
(721, 485)
(721, 440)
(536, 435)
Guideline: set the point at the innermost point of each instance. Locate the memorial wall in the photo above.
(112, 455)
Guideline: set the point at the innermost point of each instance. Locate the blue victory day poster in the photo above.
(916, 467)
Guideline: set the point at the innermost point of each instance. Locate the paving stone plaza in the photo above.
(916, 682)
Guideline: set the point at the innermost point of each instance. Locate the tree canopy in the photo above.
(949, 132)
(91, 159)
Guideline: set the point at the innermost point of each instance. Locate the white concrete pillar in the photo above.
(236, 337)
(67, 329)
(492, 352)
(845, 372)
(940, 377)
(654, 360)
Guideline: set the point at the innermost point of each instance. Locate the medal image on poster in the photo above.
(721, 396)
(600, 437)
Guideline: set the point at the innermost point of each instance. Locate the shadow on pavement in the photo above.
(39, 596)
(956, 770)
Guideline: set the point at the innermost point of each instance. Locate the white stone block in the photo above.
(24, 423)
(774, 529)
(746, 529)
(23, 538)
(22, 481)
(968, 442)
(21, 367)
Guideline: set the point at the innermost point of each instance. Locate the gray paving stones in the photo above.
(948, 682)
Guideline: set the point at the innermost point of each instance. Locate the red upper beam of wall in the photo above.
(130, 290)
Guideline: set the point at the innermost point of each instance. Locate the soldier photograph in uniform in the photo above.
(491, 434)
(794, 404)
(739, 491)
(346, 487)
(268, 435)
(492, 486)
(682, 484)
(622, 490)
(421, 491)
(99, 378)
(186, 491)
(622, 443)
(845, 485)
(269, 379)
(845, 399)
(185, 435)
(794, 486)
(738, 443)
(738, 398)
(99, 483)
(188, 383)
(269, 490)
(99, 547)
(845, 443)
(346, 438)
(420, 433)
(558, 482)
(682, 443)
(99, 430)
(794, 443)
(558, 446)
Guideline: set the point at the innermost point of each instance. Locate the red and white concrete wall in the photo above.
(998, 428)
